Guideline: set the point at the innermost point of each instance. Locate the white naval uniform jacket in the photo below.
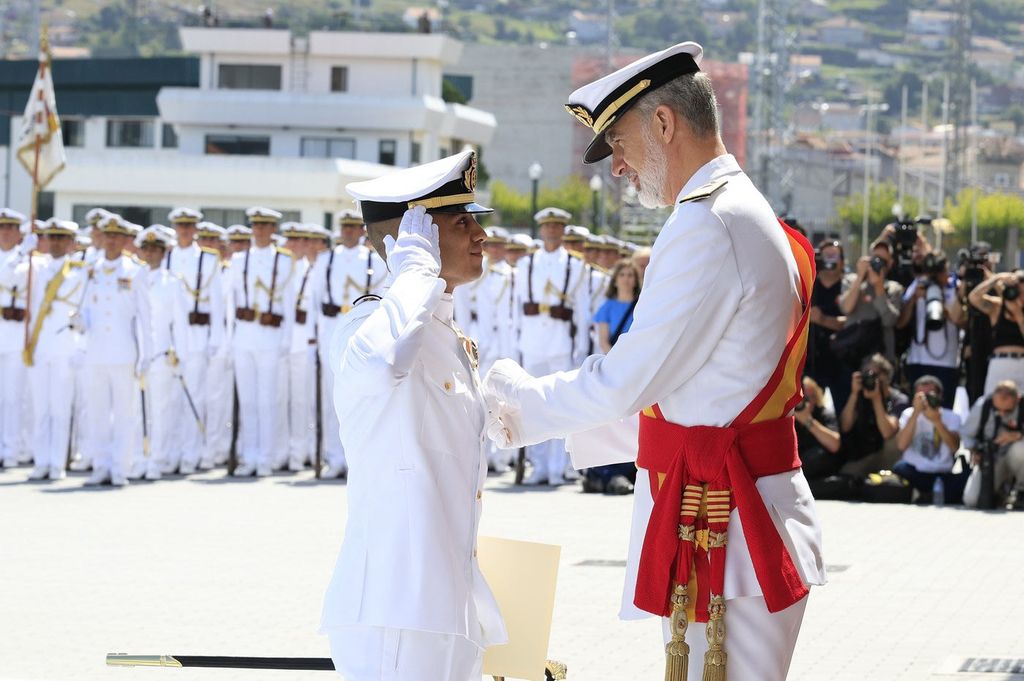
(203, 285)
(13, 283)
(412, 424)
(303, 332)
(55, 337)
(719, 300)
(168, 313)
(116, 313)
(251, 287)
(541, 336)
(341, 279)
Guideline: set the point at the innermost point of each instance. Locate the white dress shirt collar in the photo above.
(445, 309)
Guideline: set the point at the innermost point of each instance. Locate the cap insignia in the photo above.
(581, 114)
(469, 176)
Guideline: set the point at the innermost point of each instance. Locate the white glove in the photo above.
(417, 245)
(503, 383)
(28, 243)
(503, 430)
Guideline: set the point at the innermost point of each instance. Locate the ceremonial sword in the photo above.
(553, 671)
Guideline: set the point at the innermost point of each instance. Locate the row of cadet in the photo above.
(138, 352)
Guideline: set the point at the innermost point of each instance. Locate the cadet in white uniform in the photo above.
(263, 280)
(115, 320)
(408, 601)
(717, 341)
(342, 274)
(12, 337)
(168, 326)
(239, 239)
(552, 297)
(198, 272)
(219, 377)
(57, 282)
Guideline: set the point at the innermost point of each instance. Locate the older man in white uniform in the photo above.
(115, 320)
(713, 360)
(408, 601)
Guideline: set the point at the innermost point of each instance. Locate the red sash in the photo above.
(707, 471)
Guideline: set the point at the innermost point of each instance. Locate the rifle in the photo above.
(319, 415)
(233, 452)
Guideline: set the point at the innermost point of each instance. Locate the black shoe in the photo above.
(592, 485)
(619, 484)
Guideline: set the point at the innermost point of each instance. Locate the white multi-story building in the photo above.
(276, 120)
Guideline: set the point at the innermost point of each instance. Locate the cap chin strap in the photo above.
(441, 201)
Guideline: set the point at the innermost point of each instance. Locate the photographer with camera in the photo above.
(871, 303)
(932, 310)
(817, 433)
(823, 365)
(869, 421)
(1006, 315)
(974, 267)
(929, 434)
(993, 434)
(909, 248)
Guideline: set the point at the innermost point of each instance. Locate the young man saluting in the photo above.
(407, 600)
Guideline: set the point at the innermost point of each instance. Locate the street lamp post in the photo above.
(536, 171)
(596, 184)
(868, 109)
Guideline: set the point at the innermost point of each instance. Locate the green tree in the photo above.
(1015, 114)
(515, 209)
(997, 212)
(882, 198)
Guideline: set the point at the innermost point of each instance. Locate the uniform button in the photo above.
(479, 495)
(447, 386)
(474, 553)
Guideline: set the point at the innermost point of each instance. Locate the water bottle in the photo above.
(938, 491)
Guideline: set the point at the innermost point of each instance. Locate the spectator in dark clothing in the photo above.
(869, 421)
(827, 370)
(817, 433)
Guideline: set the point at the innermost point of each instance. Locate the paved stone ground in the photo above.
(211, 565)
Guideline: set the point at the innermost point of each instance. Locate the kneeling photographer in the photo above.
(932, 310)
(869, 421)
(929, 434)
(999, 297)
(817, 434)
(993, 434)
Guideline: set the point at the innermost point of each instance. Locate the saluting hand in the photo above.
(416, 247)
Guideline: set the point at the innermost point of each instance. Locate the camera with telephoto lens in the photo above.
(877, 263)
(933, 400)
(1012, 290)
(972, 263)
(869, 380)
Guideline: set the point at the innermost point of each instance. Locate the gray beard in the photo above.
(654, 173)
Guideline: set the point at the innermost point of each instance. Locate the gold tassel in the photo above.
(715, 657)
(677, 651)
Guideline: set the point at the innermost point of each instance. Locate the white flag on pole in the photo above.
(40, 131)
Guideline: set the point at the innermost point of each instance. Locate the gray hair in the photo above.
(691, 97)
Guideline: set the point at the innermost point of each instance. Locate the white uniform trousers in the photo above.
(80, 431)
(188, 438)
(550, 459)
(54, 383)
(301, 410)
(281, 431)
(12, 411)
(388, 654)
(333, 452)
(220, 395)
(256, 374)
(758, 644)
(112, 413)
(164, 420)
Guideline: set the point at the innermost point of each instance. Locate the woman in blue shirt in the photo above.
(615, 315)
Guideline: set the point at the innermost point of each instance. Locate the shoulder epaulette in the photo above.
(75, 263)
(701, 193)
(135, 259)
(576, 254)
(284, 251)
(211, 251)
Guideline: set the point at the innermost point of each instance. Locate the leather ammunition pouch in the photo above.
(13, 314)
(330, 309)
(531, 309)
(199, 318)
(300, 316)
(245, 314)
(561, 312)
(270, 319)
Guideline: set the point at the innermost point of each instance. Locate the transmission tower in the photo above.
(771, 83)
(959, 99)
